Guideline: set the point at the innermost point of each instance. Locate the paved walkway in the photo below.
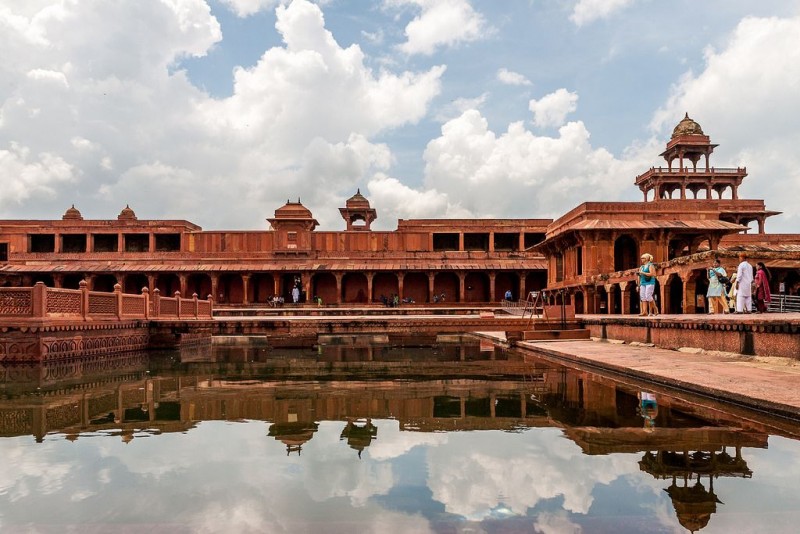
(771, 384)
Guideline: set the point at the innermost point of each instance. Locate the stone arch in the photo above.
(535, 281)
(578, 298)
(199, 283)
(673, 294)
(415, 287)
(134, 282)
(677, 247)
(168, 284)
(230, 289)
(503, 282)
(385, 284)
(633, 297)
(260, 287)
(354, 288)
(617, 300)
(696, 289)
(288, 282)
(476, 287)
(626, 253)
(446, 283)
(104, 282)
(602, 299)
(323, 285)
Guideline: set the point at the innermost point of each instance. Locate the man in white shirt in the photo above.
(744, 285)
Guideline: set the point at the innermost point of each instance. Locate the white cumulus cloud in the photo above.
(509, 77)
(552, 109)
(587, 11)
(441, 23)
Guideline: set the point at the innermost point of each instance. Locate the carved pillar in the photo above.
(735, 191)
(491, 241)
(492, 279)
(120, 243)
(214, 286)
(339, 277)
(689, 294)
(461, 241)
(625, 307)
(663, 293)
(523, 291)
(431, 279)
(589, 296)
(245, 288)
(761, 225)
(151, 242)
(610, 298)
(183, 280)
(58, 280)
(305, 279)
(370, 277)
(462, 277)
(151, 282)
(400, 292)
(683, 191)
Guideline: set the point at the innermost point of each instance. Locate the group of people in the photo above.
(742, 288)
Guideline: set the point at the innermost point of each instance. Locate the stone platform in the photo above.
(768, 385)
(768, 334)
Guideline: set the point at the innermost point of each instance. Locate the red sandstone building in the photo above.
(587, 254)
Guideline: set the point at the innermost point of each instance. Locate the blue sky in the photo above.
(218, 111)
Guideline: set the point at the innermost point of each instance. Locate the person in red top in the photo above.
(763, 296)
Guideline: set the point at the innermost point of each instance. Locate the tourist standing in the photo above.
(763, 296)
(744, 285)
(715, 295)
(508, 296)
(647, 286)
(295, 294)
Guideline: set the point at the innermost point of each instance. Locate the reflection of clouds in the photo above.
(336, 471)
(555, 523)
(24, 473)
(400, 442)
(481, 470)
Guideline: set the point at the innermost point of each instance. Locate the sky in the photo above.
(219, 111)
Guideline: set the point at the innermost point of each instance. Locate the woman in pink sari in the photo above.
(763, 296)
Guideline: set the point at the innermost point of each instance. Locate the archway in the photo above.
(697, 285)
(617, 300)
(674, 294)
(134, 282)
(633, 298)
(503, 282)
(578, 299)
(354, 288)
(288, 282)
(415, 287)
(626, 253)
(260, 288)
(230, 289)
(602, 299)
(535, 281)
(199, 283)
(104, 282)
(476, 287)
(446, 283)
(323, 285)
(167, 284)
(386, 285)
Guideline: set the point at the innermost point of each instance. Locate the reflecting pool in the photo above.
(456, 436)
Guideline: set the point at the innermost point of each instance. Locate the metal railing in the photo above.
(784, 303)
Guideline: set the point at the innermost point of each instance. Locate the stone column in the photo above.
(431, 278)
(151, 282)
(523, 290)
(491, 241)
(151, 242)
(305, 279)
(461, 241)
(183, 279)
(245, 288)
(492, 286)
(610, 300)
(625, 296)
(339, 277)
(214, 286)
(370, 277)
(400, 277)
(663, 295)
(462, 277)
(689, 294)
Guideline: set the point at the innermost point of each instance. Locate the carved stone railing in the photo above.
(40, 301)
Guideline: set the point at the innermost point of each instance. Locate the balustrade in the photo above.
(42, 302)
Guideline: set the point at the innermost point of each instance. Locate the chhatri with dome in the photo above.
(691, 213)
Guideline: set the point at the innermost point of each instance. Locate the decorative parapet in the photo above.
(42, 302)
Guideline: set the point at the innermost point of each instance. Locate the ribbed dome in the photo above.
(293, 210)
(72, 214)
(126, 214)
(687, 127)
(357, 201)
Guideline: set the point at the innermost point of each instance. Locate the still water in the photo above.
(452, 437)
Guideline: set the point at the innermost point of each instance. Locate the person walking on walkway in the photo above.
(647, 286)
(763, 296)
(715, 295)
(744, 285)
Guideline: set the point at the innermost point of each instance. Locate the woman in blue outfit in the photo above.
(716, 294)
(647, 286)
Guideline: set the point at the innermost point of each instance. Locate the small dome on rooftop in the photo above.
(293, 210)
(126, 214)
(357, 201)
(687, 126)
(72, 214)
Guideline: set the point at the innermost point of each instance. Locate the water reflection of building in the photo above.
(359, 435)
